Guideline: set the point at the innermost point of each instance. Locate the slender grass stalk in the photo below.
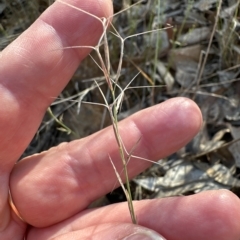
(157, 43)
(200, 73)
(117, 98)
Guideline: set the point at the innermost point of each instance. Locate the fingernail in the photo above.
(144, 235)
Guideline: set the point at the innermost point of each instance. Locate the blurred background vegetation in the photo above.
(196, 55)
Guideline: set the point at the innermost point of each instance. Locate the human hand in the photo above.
(51, 190)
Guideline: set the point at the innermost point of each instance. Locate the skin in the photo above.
(53, 189)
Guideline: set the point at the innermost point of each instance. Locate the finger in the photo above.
(32, 74)
(54, 185)
(11, 227)
(207, 215)
(34, 69)
(106, 231)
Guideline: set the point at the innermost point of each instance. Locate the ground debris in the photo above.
(187, 57)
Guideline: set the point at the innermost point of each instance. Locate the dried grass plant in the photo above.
(116, 91)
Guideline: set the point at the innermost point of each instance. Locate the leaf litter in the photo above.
(212, 159)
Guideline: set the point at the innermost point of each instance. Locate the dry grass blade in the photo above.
(116, 91)
(128, 196)
(113, 85)
(199, 75)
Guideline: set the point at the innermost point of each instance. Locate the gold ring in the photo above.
(13, 207)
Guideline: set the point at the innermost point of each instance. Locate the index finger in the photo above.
(32, 74)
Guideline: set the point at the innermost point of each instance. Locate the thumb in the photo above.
(124, 231)
(142, 233)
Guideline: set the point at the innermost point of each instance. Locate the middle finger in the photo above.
(52, 186)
